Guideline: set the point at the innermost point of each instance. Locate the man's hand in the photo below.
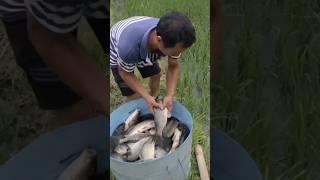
(151, 102)
(135, 85)
(70, 61)
(168, 102)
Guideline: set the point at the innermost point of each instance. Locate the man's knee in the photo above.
(155, 77)
(133, 97)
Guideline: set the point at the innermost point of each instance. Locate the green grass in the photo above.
(193, 88)
(266, 92)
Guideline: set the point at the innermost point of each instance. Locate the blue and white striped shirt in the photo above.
(128, 43)
(60, 16)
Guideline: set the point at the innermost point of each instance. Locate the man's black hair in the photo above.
(175, 27)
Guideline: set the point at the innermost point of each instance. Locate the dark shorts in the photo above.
(50, 91)
(145, 72)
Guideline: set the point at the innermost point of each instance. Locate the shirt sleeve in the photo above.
(128, 67)
(59, 16)
(126, 55)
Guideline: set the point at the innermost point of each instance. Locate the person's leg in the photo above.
(154, 85)
(154, 74)
(101, 29)
(50, 91)
(125, 90)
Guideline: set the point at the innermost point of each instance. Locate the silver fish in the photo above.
(159, 152)
(160, 118)
(147, 152)
(134, 137)
(117, 156)
(121, 149)
(132, 119)
(135, 148)
(82, 168)
(141, 127)
(152, 131)
(170, 127)
(176, 139)
(184, 133)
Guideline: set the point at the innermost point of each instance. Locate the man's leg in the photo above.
(154, 72)
(101, 29)
(133, 97)
(125, 90)
(50, 91)
(154, 85)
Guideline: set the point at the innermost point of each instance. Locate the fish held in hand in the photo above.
(160, 118)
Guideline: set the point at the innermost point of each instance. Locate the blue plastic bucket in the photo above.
(48, 156)
(173, 166)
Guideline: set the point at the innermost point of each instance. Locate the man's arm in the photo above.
(172, 76)
(132, 81)
(70, 61)
(172, 81)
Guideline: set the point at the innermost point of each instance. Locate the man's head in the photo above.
(175, 33)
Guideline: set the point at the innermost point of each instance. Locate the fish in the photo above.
(141, 127)
(176, 139)
(152, 131)
(132, 119)
(82, 168)
(160, 118)
(117, 156)
(147, 152)
(159, 152)
(134, 137)
(147, 137)
(121, 149)
(135, 148)
(184, 133)
(170, 127)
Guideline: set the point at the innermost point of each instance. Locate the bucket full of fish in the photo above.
(150, 146)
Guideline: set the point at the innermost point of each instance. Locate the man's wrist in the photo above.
(171, 95)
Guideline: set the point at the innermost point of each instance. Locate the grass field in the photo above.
(266, 92)
(193, 88)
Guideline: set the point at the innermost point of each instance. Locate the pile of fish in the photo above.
(142, 138)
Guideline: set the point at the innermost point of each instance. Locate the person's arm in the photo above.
(132, 81)
(172, 81)
(70, 61)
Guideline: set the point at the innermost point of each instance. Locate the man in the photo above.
(43, 36)
(139, 42)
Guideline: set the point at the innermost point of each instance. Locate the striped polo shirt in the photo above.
(60, 16)
(128, 43)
